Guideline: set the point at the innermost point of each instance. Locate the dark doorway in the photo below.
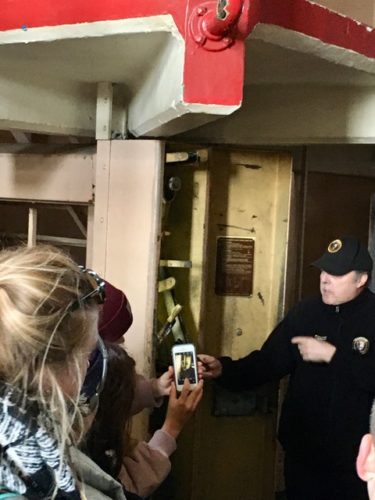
(336, 205)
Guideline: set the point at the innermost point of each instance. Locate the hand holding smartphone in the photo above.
(181, 407)
(184, 365)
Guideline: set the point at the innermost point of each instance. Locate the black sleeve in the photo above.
(274, 360)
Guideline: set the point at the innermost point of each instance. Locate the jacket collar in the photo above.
(352, 305)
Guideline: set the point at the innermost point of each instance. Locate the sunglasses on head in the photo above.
(97, 291)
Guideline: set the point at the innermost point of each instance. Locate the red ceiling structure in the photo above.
(222, 66)
(214, 32)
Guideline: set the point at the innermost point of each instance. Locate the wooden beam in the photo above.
(77, 220)
(32, 227)
(104, 111)
(57, 178)
(56, 240)
(98, 250)
(90, 236)
(21, 137)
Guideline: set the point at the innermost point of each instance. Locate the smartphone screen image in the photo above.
(184, 364)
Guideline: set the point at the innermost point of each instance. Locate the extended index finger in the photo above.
(299, 340)
(185, 390)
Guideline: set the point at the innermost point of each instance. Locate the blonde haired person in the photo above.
(48, 329)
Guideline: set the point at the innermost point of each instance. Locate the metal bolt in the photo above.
(201, 11)
(200, 39)
(174, 183)
(238, 332)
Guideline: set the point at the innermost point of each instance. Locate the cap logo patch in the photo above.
(361, 345)
(334, 246)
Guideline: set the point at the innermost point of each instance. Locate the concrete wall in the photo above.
(296, 114)
(362, 11)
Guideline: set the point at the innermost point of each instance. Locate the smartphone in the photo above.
(184, 364)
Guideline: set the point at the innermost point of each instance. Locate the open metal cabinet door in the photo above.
(182, 249)
(245, 196)
(244, 290)
(230, 220)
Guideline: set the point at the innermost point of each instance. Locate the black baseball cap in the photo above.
(344, 255)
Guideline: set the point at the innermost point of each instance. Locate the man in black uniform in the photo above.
(327, 345)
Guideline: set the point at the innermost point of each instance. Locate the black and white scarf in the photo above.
(30, 461)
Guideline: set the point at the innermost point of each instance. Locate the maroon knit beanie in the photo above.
(116, 317)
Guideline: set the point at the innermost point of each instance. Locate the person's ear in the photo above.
(362, 280)
(366, 458)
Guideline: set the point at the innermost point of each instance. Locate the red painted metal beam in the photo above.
(211, 70)
(213, 74)
(297, 15)
(16, 14)
(316, 21)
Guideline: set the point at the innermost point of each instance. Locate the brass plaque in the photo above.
(234, 266)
